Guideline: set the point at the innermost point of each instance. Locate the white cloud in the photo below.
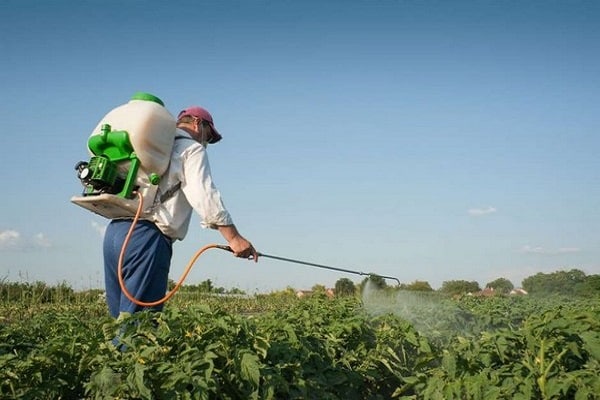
(564, 250)
(99, 228)
(40, 240)
(541, 250)
(9, 239)
(478, 212)
(533, 250)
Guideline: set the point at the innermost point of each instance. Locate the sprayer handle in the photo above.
(223, 247)
(227, 248)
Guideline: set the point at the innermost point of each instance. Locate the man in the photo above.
(186, 186)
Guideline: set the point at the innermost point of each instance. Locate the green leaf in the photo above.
(449, 364)
(136, 379)
(582, 394)
(554, 387)
(591, 341)
(250, 369)
(261, 345)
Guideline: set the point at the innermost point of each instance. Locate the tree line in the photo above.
(568, 283)
(573, 282)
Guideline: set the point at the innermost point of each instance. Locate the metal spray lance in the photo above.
(369, 274)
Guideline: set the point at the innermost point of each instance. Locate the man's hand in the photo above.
(239, 245)
(243, 248)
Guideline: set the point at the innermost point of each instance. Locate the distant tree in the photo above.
(591, 285)
(377, 281)
(206, 286)
(344, 287)
(288, 293)
(576, 276)
(560, 282)
(459, 287)
(236, 291)
(538, 283)
(38, 292)
(373, 282)
(501, 285)
(318, 289)
(418, 286)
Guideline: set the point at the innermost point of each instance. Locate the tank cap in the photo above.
(147, 97)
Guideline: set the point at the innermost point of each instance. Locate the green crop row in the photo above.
(397, 345)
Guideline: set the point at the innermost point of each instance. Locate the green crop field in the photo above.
(381, 344)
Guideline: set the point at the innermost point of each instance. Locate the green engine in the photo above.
(114, 166)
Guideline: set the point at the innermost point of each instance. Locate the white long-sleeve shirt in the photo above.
(189, 165)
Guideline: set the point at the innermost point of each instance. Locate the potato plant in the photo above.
(281, 347)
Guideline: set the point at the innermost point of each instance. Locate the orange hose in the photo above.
(170, 294)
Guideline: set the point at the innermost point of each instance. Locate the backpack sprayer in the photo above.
(130, 149)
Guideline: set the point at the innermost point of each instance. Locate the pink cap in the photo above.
(203, 114)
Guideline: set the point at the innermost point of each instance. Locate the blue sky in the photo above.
(426, 140)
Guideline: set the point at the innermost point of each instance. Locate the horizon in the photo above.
(356, 284)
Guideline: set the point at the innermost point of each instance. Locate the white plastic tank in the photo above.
(151, 129)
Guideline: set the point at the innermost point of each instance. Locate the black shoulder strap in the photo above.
(184, 137)
(173, 189)
(169, 193)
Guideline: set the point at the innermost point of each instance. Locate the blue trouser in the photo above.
(145, 265)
